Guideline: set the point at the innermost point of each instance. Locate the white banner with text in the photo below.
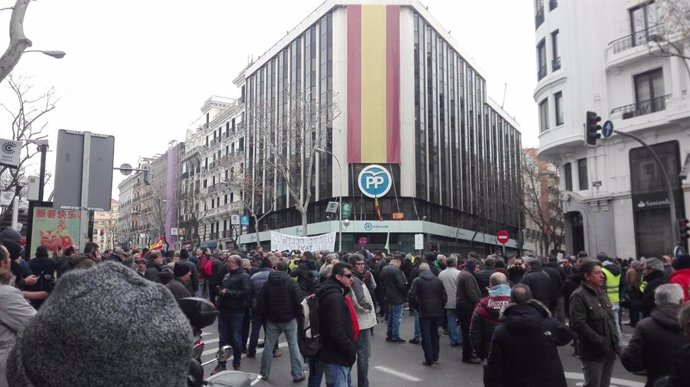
(282, 242)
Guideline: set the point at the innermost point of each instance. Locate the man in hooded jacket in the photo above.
(658, 339)
(528, 324)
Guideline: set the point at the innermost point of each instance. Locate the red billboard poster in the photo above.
(54, 228)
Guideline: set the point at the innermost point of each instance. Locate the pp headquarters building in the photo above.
(407, 137)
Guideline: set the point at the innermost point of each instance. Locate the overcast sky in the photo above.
(141, 69)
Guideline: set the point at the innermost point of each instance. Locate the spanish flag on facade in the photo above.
(158, 245)
(377, 208)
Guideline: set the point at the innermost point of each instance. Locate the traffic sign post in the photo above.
(503, 237)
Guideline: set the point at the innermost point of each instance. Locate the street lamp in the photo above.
(57, 54)
(340, 197)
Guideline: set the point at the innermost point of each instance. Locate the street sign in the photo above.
(607, 129)
(332, 207)
(234, 220)
(503, 237)
(347, 210)
(10, 153)
(419, 241)
(244, 220)
(126, 169)
(173, 231)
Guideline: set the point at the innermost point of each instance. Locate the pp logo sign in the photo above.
(374, 181)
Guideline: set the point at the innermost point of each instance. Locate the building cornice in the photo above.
(329, 5)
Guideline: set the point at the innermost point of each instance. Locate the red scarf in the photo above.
(353, 316)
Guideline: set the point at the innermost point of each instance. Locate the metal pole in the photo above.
(84, 218)
(340, 198)
(42, 174)
(675, 230)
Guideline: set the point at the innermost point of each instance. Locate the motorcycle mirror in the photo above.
(200, 312)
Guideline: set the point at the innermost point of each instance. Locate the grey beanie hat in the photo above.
(104, 326)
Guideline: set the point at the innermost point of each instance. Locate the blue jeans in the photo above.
(315, 372)
(453, 332)
(336, 375)
(363, 354)
(394, 317)
(230, 332)
(273, 330)
(430, 340)
(415, 313)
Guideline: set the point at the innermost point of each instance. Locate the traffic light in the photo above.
(684, 229)
(592, 128)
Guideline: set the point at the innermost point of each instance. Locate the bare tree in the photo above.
(671, 36)
(192, 211)
(26, 112)
(282, 156)
(542, 203)
(18, 41)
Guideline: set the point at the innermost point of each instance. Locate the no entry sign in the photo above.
(503, 237)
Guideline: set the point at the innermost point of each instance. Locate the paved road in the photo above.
(400, 365)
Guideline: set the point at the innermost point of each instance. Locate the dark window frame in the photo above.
(558, 108)
(582, 178)
(544, 115)
(568, 174)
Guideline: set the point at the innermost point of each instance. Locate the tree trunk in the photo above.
(304, 222)
(256, 229)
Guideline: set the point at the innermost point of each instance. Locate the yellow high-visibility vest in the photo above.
(613, 283)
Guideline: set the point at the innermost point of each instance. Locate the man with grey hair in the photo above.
(449, 278)
(658, 339)
(653, 278)
(487, 314)
(428, 296)
(680, 374)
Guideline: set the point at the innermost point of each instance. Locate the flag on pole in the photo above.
(158, 245)
(377, 207)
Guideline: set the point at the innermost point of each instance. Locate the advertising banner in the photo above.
(282, 242)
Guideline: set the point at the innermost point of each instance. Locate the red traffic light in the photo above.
(592, 128)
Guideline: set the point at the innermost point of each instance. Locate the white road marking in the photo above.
(399, 374)
(616, 381)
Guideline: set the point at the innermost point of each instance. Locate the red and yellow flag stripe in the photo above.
(373, 84)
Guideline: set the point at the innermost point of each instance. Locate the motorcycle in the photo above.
(202, 313)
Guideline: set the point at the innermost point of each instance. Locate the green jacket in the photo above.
(591, 318)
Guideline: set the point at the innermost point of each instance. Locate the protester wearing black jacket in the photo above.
(653, 278)
(429, 297)
(338, 349)
(394, 283)
(234, 300)
(658, 339)
(278, 304)
(528, 338)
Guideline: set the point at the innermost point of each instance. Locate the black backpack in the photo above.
(309, 334)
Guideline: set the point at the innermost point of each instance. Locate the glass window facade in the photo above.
(467, 155)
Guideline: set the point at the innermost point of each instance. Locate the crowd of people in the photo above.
(509, 314)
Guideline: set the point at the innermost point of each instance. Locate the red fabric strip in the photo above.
(393, 83)
(354, 83)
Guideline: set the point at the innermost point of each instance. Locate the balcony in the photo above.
(639, 38)
(541, 73)
(553, 4)
(556, 64)
(539, 17)
(642, 107)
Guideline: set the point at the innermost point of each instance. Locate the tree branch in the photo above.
(18, 41)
